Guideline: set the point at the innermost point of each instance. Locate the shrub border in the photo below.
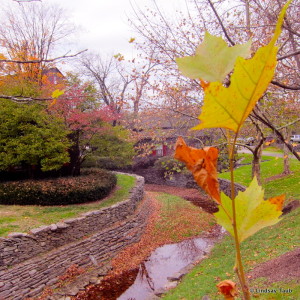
(27, 263)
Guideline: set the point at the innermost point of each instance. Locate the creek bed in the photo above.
(166, 263)
(161, 271)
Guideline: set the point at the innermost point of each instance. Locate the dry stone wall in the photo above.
(31, 261)
(184, 179)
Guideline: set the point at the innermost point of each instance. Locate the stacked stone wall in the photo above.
(183, 179)
(31, 261)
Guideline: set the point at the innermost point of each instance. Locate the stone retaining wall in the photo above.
(33, 260)
(184, 179)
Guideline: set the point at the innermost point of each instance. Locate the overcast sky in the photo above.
(103, 24)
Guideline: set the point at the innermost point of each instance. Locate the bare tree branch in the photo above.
(289, 124)
(289, 55)
(24, 1)
(221, 23)
(41, 60)
(262, 118)
(294, 88)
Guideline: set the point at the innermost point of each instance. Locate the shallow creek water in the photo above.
(152, 275)
(164, 262)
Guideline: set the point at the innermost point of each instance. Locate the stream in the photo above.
(159, 272)
(165, 262)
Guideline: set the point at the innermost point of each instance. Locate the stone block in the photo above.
(39, 230)
(62, 225)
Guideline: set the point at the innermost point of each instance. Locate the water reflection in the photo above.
(151, 275)
(163, 263)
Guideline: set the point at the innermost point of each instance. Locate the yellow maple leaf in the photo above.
(252, 212)
(228, 107)
(57, 93)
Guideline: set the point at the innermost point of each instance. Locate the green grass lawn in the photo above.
(268, 243)
(17, 218)
(271, 166)
(273, 149)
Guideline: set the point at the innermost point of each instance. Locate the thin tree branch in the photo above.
(221, 23)
(41, 60)
(289, 55)
(289, 124)
(294, 88)
(265, 121)
(24, 1)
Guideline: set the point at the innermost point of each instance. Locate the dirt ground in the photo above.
(283, 268)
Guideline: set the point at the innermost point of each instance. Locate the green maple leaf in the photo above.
(229, 107)
(213, 59)
(252, 212)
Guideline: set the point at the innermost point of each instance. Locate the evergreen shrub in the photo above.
(91, 185)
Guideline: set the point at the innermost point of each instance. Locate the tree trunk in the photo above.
(256, 161)
(286, 160)
(73, 168)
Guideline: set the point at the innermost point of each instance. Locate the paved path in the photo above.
(267, 153)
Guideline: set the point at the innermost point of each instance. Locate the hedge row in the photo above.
(91, 185)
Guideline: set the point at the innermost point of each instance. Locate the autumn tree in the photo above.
(30, 35)
(84, 116)
(178, 35)
(122, 84)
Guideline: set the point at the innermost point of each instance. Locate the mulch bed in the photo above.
(283, 268)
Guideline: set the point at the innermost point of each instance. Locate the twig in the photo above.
(34, 61)
(221, 23)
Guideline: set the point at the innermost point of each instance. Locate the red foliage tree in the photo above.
(84, 117)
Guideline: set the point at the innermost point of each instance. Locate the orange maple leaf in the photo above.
(204, 84)
(203, 165)
(278, 201)
(228, 289)
(270, 142)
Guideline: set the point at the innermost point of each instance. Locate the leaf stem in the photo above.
(239, 265)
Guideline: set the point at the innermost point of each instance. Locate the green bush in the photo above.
(91, 185)
(106, 163)
(169, 166)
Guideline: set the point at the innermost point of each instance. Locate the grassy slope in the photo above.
(16, 218)
(266, 244)
(270, 167)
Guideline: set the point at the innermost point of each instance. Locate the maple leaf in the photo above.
(252, 212)
(203, 165)
(55, 95)
(270, 142)
(228, 289)
(249, 81)
(213, 59)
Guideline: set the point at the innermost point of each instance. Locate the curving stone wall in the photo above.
(184, 179)
(31, 261)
